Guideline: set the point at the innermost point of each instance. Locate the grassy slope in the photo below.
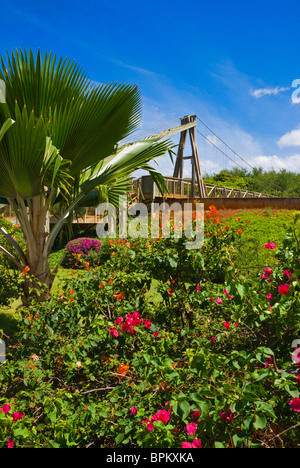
(264, 226)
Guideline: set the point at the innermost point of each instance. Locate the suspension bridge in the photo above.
(192, 189)
(180, 188)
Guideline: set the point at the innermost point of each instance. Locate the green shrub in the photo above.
(208, 363)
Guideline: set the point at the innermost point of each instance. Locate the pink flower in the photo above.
(225, 291)
(296, 356)
(270, 245)
(287, 273)
(195, 444)
(283, 289)
(6, 409)
(213, 339)
(219, 301)
(170, 292)
(10, 443)
(147, 323)
(163, 416)
(17, 416)
(191, 428)
(150, 426)
(269, 361)
(227, 325)
(198, 288)
(269, 297)
(211, 299)
(267, 273)
(236, 324)
(119, 320)
(186, 445)
(114, 332)
(295, 404)
(148, 423)
(133, 410)
(155, 334)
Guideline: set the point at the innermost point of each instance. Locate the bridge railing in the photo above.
(145, 189)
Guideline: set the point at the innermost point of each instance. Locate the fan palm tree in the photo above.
(59, 141)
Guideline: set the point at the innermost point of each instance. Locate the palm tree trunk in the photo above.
(39, 278)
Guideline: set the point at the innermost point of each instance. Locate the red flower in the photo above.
(161, 415)
(10, 443)
(269, 297)
(228, 416)
(270, 245)
(195, 444)
(191, 428)
(295, 404)
(283, 289)
(114, 332)
(267, 273)
(227, 325)
(287, 273)
(6, 409)
(119, 320)
(17, 416)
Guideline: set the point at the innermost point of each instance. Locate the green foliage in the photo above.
(105, 365)
(9, 277)
(283, 183)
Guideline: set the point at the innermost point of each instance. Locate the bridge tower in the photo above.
(189, 124)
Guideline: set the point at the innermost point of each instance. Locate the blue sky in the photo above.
(231, 63)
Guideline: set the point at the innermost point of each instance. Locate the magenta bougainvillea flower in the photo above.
(6, 409)
(10, 443)
(133, 410)
(161, 415)
(16, 416)
(119, 320)
(114, 332)
(195, 444)
(268, 362)
(191, 428)
(227, 325)
(288, 273)
(83, 246)
(270, 245)
(283, 289)
(295, 404)
(219, 301)
(268, 272)
(228, 416)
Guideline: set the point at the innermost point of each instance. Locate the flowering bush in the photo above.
(84, 248)
(160, 347)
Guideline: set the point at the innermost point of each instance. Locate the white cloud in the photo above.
(276, 163)
(258, 93)
(290, 139)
